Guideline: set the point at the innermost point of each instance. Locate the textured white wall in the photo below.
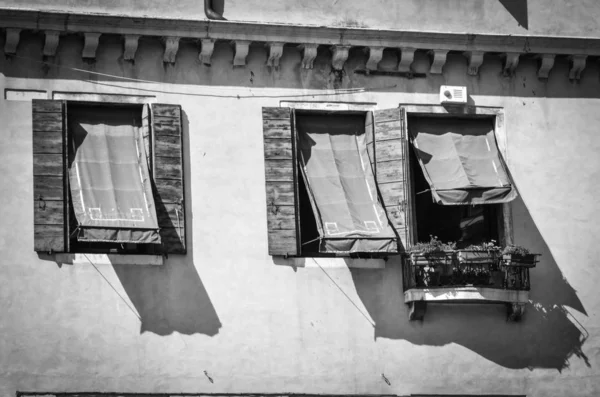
(256, 325)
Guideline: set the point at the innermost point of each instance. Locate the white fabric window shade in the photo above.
(109, 177)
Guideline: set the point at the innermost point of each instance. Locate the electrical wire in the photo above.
(336, 92)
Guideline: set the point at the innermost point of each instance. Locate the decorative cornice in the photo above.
(51, 43)
(474, 46)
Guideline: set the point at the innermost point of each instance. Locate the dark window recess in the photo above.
(465, 224)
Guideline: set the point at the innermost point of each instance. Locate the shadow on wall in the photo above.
(547, 336)
(171, 298)
(518, 9)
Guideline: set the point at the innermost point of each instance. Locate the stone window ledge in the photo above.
(108, 259)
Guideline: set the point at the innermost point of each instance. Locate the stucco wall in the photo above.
(227, 318)
(527, 17)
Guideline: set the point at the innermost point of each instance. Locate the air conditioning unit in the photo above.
(453, 95)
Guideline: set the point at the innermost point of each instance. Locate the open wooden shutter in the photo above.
(391, 167)
(49, 182)
(167, 151)
(280, 179)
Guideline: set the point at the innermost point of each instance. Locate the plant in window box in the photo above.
(431, 261)
(479, 254)
(516, 255)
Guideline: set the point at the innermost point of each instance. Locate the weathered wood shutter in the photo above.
(391, 169)
(49, 181)
(167, 159)
(280, 180)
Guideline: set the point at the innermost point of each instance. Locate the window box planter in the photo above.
(430, 269)
(467, 275)
(525, 260)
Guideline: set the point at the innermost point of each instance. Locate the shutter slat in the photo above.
(171, 216)
(46, 212)
(282, 217)
(166, 126)
(280, 193)
(170, 167)
(279, 170)
(279, 151)
(390, 167)
(48, 164)
(48, 187)
(278, 148)
(48, 122)
(167, 145)
(168, 176)
(48, 238)
(390, 171)
(48, 137)
(47, 142)
(169, 190)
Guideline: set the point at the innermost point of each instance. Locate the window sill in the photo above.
(417, 299)
(466, 294)
(108, 259)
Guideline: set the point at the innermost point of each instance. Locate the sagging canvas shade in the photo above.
(340, 183)
(461, 161)
(109, 177)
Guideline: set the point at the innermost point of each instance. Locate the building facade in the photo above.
(233, 301)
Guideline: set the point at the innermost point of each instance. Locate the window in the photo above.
(459, 179)
(323, 197)
(108, 178)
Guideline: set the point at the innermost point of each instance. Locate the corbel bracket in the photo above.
(12, 41)
(275, 52)
(51, 43)
(546, 64)
(416, 310)
(407, 57)
(309, 55)
(242, 47)
(375, 56)
(515, 311)
(475, 59)
(206, 51)
(577, 66)
(438, 60)
(511, 61)
(90, 45)
(171, 48)
(130, 47)
(340, 55)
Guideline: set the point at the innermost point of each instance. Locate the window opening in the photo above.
(106, 114)
(464, 224)
(339, 209)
